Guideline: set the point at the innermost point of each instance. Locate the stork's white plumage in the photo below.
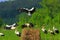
(44, 30)
(25, 8)
(28, 11)
(17, 33)
(14, 24)
(55, 30)
(13, 28)
(52, 32)
(8, 25)
(30, 25)
(1, 34)
(27, 24)
(31, 9)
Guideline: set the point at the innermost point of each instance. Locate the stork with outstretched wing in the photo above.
(28, 11)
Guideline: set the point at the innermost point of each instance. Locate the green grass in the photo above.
(49, 36)
(10, 35)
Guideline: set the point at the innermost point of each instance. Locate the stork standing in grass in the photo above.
(17, 33)
(28, 11)
(8, 27)
(44, 30)
(13, 26)
(24, 26)
(55, 30)
(30, 25)
(51, 32)
(1, 34)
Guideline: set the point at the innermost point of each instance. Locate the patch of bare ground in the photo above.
(30, 34)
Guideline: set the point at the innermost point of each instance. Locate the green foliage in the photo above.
(1, 22)
(53, 10)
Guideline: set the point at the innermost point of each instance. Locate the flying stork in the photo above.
(28, 11)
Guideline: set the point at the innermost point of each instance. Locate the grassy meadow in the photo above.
(10, 35)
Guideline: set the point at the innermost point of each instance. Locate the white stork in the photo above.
(51, 32)
(1, 34)
(29, 11)
(55, 30)
(13, 26)
(17, 33)
(30, 25)
(8, 27)
(24, 26)
(44, 30)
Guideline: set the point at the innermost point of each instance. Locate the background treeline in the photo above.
(8, 9)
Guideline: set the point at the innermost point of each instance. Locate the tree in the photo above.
(1, 22)
(53, 7)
